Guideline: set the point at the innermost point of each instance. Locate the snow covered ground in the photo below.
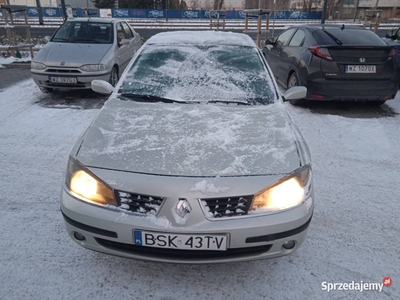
(354, 235)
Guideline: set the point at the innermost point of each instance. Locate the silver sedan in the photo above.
(83, 50)
(193, 159)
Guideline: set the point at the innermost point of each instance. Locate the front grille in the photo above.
(226, 207)
(143, 204)
(183, 254)
(64, 71)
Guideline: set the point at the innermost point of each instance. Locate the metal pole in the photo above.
(324, 9)
(273, 21)
(64, 10)
(166, 11)
(40, 12)
(356, 9)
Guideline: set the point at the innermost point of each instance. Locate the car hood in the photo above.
(53, 54)
(204, 140)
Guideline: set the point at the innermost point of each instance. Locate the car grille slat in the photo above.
(63, 71)
(138, 203)
(227, 206)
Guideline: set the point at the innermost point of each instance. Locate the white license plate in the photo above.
(62, 79)
(360, 69)
(180, 241)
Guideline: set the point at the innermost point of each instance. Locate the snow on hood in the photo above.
(54, 53)
(190, 139)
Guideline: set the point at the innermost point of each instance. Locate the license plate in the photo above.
(62, 79)
(360, 69)
(180, 241)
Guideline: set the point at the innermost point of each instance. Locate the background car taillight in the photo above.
(320, 52)
(393, 53)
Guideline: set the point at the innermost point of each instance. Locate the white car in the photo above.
(83, 50)
(193, 159)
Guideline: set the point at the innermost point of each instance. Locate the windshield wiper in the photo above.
(62, 40)
(229, 102)
(153, 98)
(337, 41)
(150, 98)
(86, 40)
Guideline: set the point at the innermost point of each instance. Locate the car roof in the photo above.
(202, 38)
(313, 27)
(97, 20)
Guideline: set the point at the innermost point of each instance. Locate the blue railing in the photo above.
(56, 12)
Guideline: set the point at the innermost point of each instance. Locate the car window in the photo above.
(347, 36)
(120, 32)
(298, 38)
(200, 73)
(84, 32)
(127, 30)
(284, 38)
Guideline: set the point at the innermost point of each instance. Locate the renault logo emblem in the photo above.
(362, 60)
(183, 208)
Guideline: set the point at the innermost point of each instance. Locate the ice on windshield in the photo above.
(200, 73)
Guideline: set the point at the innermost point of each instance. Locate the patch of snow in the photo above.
(201, 38)
(208, 187)
(11, 59)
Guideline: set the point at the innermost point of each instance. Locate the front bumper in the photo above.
(249, 238)
(84, 80)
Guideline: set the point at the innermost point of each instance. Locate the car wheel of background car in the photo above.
(376, 103)
(114, 76)
(46, 90)
(294, 81)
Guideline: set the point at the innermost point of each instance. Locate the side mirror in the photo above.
(102, 87)
(269, 42)
(391, 35)
(124, 42)
(295, 93)
(47, 38)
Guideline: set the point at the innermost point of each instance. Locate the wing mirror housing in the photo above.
(295, 93)
(270, 41)
(391, 35)
(102, 87)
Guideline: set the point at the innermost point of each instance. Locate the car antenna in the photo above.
(342, 27)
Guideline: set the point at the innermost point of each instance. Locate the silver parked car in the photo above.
(193, 159)
(82, 50)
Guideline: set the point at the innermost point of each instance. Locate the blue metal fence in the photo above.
(55, 12)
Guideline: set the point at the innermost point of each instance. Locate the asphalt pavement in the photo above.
(11, 76)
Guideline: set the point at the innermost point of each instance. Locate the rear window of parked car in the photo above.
(348, 36)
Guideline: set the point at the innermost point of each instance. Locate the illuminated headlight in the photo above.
(93, 68)
(86, 186)
(37, 66)
(288, 192)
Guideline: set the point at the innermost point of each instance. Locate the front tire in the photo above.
(114, 77)
(294, 81)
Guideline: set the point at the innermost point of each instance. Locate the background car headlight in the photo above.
(93, 68)
(87, 186)
(37, 66)
(288, 192)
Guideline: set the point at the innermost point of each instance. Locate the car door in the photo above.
(131, 37)
(291, 55)
(123, 54)
(273, 52)
(136, 42)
